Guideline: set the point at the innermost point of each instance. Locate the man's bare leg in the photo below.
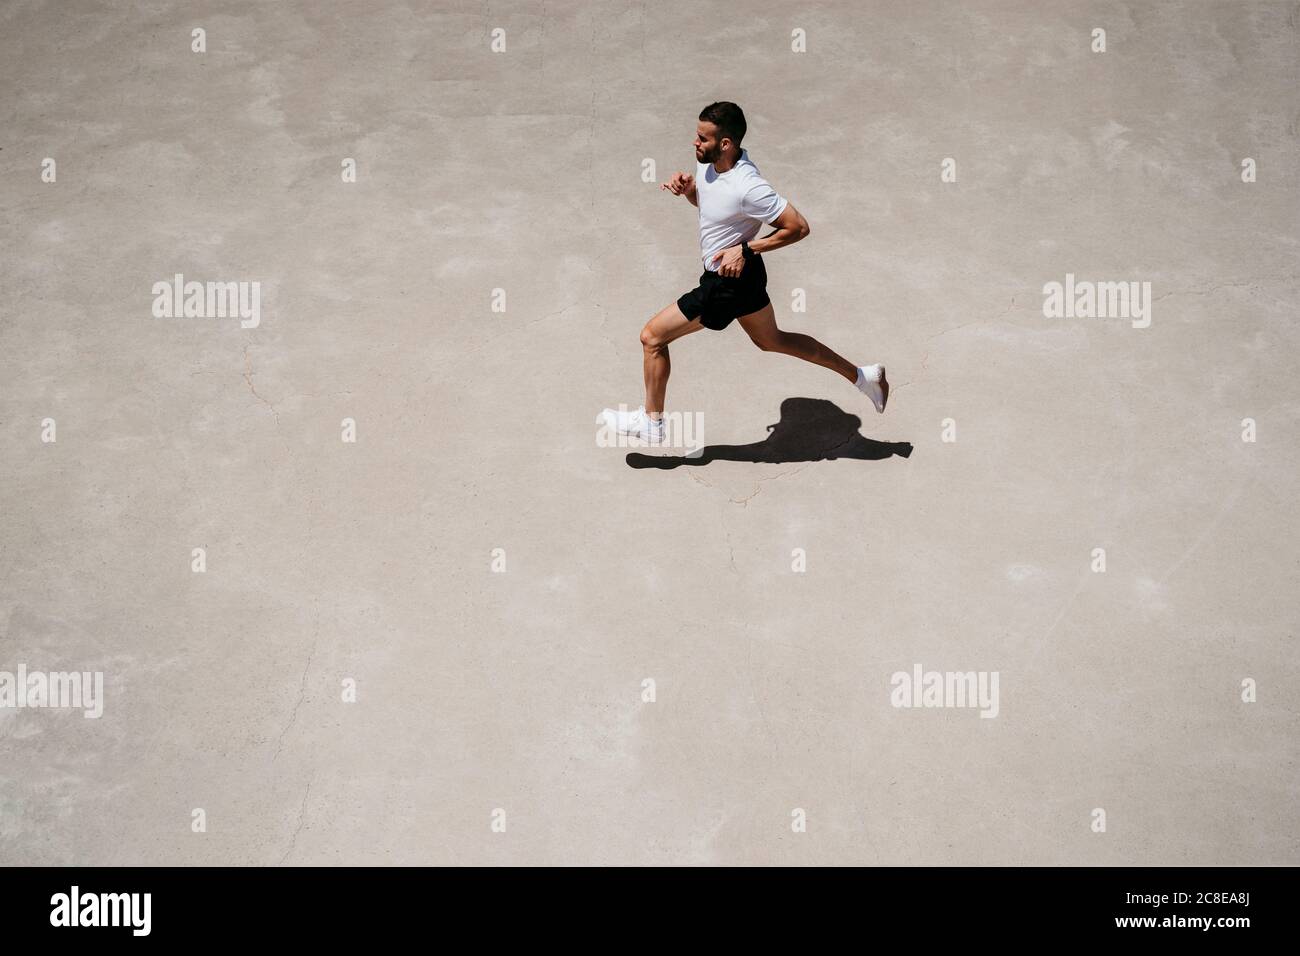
(667, 325)
(761, 326)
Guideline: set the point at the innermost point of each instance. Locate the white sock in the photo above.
(868, 383)
(867, 375)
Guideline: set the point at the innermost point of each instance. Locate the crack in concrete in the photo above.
(551, 315)
(1208, 529)
(1225, 285)
(591, 131)
(248, 380)
(302, 693)
(302, 817)
(965, 325)
(759, 486)
(744, 502)
(730, 548)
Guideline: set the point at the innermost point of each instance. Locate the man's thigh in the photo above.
(669, 323)
(761, 326)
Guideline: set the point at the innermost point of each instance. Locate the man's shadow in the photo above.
(810, 429)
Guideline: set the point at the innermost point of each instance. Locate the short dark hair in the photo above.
(728, 118)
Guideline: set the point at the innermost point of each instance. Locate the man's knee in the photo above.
(649, 340)
(771, 342)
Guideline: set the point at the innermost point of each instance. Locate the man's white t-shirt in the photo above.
(733, 206)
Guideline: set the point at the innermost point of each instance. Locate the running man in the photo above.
(734, 202)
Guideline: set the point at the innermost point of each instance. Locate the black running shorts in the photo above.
(718, 299)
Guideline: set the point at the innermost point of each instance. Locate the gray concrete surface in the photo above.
(522, 691)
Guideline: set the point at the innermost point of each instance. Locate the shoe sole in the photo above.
(644, 438)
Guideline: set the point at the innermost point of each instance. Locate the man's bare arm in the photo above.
(791, 226)
(682, 185)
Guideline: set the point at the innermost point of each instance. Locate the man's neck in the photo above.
(722, 165)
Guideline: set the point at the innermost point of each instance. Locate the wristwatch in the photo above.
(747, 252)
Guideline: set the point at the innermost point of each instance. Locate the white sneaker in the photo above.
(873, 384)
(635, 423)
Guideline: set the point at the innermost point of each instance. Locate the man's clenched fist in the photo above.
(680, 185)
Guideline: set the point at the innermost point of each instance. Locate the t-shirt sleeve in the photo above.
(762, 202)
